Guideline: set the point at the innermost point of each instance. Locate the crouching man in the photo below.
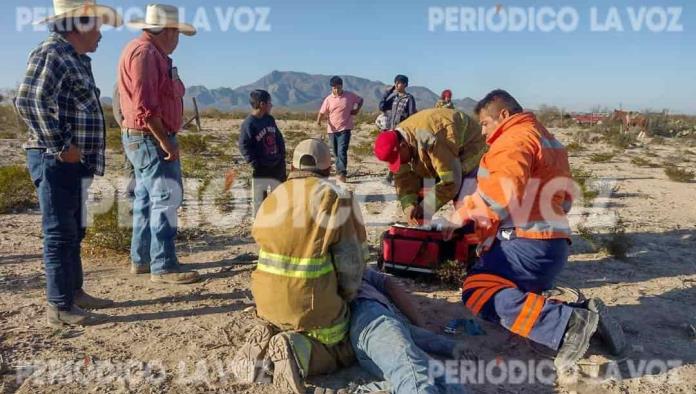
(311, 262)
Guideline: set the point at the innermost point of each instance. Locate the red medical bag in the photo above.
(406, 249)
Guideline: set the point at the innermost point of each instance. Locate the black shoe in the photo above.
(576, 340)
(609, 328)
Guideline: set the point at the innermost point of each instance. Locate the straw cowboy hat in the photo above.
(80, 8)
(160, 16)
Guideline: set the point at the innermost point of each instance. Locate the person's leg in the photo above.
(385, 347)
(531, 266)
(58, 188)
(431, 342)
(138, 155)
(162, 180)
(343, 140)
(81, 220)
(258, 191)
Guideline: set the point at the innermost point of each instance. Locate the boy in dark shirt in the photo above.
(263, 146)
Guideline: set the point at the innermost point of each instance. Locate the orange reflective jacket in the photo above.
(524, 183)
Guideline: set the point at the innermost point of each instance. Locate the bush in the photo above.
(679, 174)
(574, 147)
(194, 167)
(601, 157)
(17, 192)
(584, 179)
(451, 273)
(11, 125)
(641, 162)
(113, 140)
(615, 242)
(106, 231)
(193, 143)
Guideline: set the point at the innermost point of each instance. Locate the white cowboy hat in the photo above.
(79, 8)
(160, 16)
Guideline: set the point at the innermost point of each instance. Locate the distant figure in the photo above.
(445, 100)
(263, 146)
(340, 107)
(631, 120)
(397, 103)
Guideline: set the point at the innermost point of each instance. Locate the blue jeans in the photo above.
(158, 196)
(340, 142)
(62, 191)
(389, 347)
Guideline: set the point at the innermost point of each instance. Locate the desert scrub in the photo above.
(574, 147)
(17, 192)
(107, 230)
(677, 174)
(193, 143)
(641, 162)
(362, 150)
(615, 242)
(113, 140)
(584, 179)
(451, 273)
(602, 157)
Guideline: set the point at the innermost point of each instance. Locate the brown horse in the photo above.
(632, 120)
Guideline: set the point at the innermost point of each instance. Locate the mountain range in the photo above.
(301, 91)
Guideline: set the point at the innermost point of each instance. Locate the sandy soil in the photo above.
(181, 339)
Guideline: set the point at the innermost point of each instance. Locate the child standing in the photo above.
(263, 146)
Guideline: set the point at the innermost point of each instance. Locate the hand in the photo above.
(71, 155)
(391, 89)
(171, 151)
(414, 215)
(455, 222)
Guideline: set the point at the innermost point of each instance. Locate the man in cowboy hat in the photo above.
(151, 102)
(59, 101)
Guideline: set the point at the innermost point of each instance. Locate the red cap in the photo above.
(446, 94)
(387, 149)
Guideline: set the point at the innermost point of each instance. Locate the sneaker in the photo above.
(247, 364)
(72, 318)
(609, 328)
(86, 301)
(176, 278)
(286, 372)
(576, 340)
(139, 269)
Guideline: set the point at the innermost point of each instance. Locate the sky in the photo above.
(576, 66)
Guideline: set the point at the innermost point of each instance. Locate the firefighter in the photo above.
(520, 209)
(311, 261)
(436, 149)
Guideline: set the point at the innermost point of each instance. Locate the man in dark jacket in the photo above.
(397, 103)
(263, 146)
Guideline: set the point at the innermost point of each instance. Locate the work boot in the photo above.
(286, 373)
(86, 301)
(139, 269)
(247, 364)
(176, 278)
(74, 317)
(576, 340)
(609, 328)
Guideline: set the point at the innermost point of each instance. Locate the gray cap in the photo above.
(315, 149)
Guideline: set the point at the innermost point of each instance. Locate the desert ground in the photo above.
(635, 248)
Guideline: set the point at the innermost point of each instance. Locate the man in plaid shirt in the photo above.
(59, 101)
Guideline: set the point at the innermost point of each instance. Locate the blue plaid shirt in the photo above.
(59, 101)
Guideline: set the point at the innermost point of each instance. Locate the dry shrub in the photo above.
(17, 192)
(677, 174)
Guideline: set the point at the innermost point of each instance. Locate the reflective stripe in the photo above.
(551, 143)
(294, 267)
(483, 172)
(528, 315)
(485, 286)
(495, 207)
(408, 199)
(446, 177)
(302, 350)
(330, 335)
(542, 226)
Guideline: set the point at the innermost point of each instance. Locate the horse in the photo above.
(630, 120)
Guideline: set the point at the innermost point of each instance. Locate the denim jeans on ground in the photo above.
(158, 196)
(340, 142)
(62, 191)
(389, 347)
